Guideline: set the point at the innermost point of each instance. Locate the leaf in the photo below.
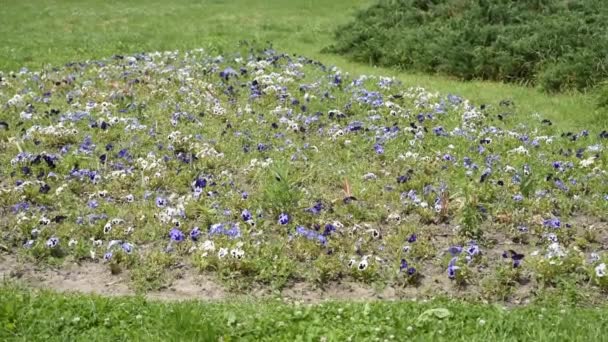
(441, 313)
(431, 314)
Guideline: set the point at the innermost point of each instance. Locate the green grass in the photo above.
(37, 316)
(36, 33)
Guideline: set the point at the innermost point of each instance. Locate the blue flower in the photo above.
(411, 271)
(560, 185)
(452, 268)
(552, 223)
(473, 249)
(227, 73)
(107, 256)
(283, 219)
(92, 204)
(246, 215)
(195, 233)
(454, 99)
(322, 239)
(215, 229)
(379, 149)
(160, 202)
(176, 235)
(262, 147)
(233, 231)
(127, 247)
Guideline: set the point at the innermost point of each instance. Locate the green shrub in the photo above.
(556, 44)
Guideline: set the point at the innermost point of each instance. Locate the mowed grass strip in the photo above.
(46, 316)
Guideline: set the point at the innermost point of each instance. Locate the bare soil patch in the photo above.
(95, 278)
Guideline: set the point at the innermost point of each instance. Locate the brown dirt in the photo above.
(94, 278)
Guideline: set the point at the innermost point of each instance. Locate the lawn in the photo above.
(281, 174)
(44, 316)
(37, 33)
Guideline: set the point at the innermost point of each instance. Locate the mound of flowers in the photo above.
(266, 167)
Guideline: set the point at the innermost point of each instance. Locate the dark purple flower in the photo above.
(337, 79)
(199, 183)
(176, 235)
(355, 126)
(455, 250)
(329, 228)
(379, 149)
(439, 131)
(316, 209)
(403, 265)
(403, 178)
(412, 238)
(123, 153)
(515, 257)
(411, 271)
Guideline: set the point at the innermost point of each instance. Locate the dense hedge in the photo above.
(557, 44)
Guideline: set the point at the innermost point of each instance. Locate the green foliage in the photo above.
(282, 188)
(38, 316)
(558, 45)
